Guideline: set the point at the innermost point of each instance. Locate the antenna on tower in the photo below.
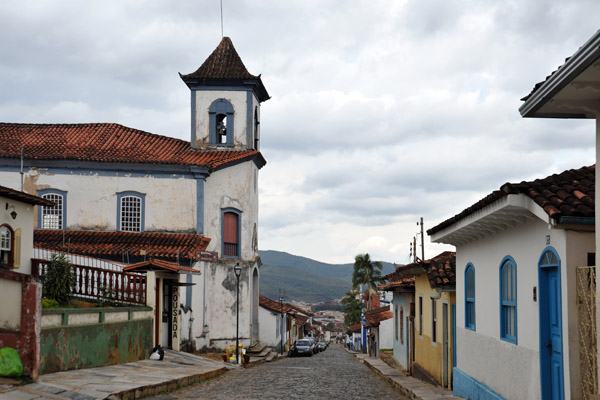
(222, 19)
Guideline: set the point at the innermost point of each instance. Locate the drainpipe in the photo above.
(204, 325)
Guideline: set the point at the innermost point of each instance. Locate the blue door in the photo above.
(551, 348)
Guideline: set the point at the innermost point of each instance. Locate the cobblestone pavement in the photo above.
(332, 374)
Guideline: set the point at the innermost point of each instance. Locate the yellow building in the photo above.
(435, 306)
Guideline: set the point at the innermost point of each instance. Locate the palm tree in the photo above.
(352, 308)
(368, 274)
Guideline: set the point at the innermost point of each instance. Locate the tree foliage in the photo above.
(59, 280)
(367, 273)
(352, 308)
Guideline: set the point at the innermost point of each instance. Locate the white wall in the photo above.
(269, 334)
(24, 223)
(512, 370)
(233, 187)
(386, 334)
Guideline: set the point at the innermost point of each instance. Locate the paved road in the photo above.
(333, 374)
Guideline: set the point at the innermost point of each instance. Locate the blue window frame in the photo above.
(231, 233)
(53, 217)
(131, 211)
(470, 297)
(220, 115)
(508, 300)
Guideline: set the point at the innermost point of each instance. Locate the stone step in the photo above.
(256, 348)
(271, 356)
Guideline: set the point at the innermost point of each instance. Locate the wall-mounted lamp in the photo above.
(13, 214)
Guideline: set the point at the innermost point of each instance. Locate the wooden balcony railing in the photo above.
(101, 283)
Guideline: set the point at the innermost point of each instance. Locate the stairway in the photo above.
(259, 353)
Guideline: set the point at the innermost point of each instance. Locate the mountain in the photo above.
(305, 279)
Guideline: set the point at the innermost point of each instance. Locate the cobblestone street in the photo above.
(333, 374)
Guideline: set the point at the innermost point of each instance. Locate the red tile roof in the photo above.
(568, 194)
(440, 270)
(272, 305)
(301, 319)
(154, 264)
(377, 315)
(224, 64)
(24, 197)
(91, 243)
(108, 142)
(540, 84)
(355, 327)
(295, 307)
(397, 280)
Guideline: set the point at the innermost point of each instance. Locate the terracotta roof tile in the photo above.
(540, 84)
(440, 270)
(301, 319)
(108, 142)
(91, 243)
(568, 194)
(272, 305)
(377, 315)
(355, 327)
(397, 280)
(295, 307)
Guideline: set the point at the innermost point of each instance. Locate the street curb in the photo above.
(167, 386)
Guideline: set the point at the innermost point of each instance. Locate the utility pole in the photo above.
(422, 240)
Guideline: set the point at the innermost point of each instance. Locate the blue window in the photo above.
(131, 211)
(470, 297)
(53, 217)
(508, 300)
(220, 114)
(231, 233)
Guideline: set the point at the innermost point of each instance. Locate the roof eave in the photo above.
(582, 59)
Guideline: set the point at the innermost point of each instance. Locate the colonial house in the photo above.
(573, 91)
(435, 299)
(273, 321)
(134, 196)
(518, 252)
(379, 323)
(403, 305)
(21, 294)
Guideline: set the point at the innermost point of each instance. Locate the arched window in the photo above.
(53, 217)
(470, 297)
(6, 247)
(130, 211)
(508, 300)
(221, 123)
(231, 233)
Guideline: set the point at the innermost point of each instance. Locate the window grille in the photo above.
(52, 216)
(131, 214)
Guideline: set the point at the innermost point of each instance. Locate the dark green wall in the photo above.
(85, 346)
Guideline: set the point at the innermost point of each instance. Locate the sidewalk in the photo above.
(121, 381)
(408, 386)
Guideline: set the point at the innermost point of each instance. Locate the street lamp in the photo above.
(282, 331)
(238, 270)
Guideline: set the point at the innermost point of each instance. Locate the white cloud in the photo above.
(382, 112)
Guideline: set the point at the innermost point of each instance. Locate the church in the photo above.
(185, 213)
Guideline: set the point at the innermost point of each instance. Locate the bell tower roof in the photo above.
(224, 67)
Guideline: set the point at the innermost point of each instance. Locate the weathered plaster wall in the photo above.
(214, 304)
(93, 345)
(520, 363)
(269, 322)
(386, 334)
(22, 225)
(10, 298)
(238, 100)
(233, 187)
(170, 202)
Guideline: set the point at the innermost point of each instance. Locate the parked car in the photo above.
(322, 346)
(301, 347)
(314, 344)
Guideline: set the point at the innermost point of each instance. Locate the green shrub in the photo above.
(49, 303)
(59, 280)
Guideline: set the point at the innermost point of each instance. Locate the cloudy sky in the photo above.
(382, 112)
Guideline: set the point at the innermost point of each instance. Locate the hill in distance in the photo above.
(304, 279)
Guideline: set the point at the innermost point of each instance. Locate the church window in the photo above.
(231, 233)
(52, 217)
(130, 213)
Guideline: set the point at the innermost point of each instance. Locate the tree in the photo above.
(59, 280)
(367, 273)
(352, 308)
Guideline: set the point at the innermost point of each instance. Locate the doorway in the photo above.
(445, 373)
(550, 309)
(166, 339)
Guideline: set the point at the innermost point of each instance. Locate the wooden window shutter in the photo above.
(231, 229)
(17, 249)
